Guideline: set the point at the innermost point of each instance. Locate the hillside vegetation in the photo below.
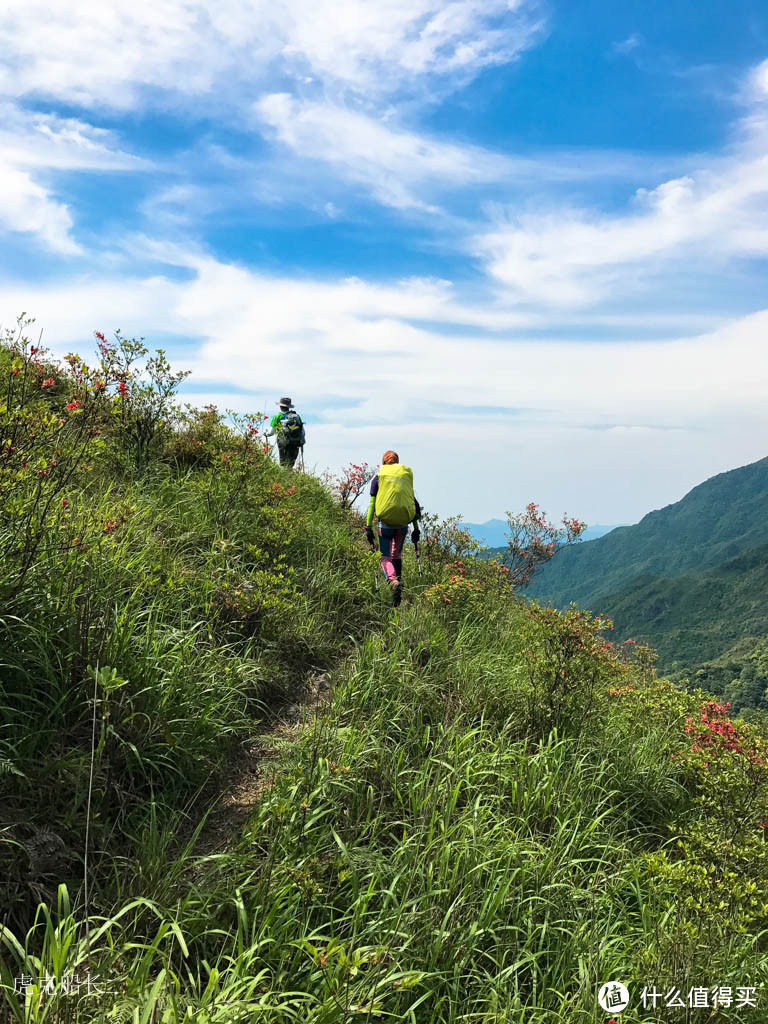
(696, 616)
(716, 521)
(492, 810)
(689, 579)
(740, 674)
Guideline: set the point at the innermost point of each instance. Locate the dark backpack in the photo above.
(292, 428)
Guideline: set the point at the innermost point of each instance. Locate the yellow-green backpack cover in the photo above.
(395, 501)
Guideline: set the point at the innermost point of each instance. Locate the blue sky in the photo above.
(522, 242)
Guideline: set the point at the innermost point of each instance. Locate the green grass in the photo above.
(417, 857)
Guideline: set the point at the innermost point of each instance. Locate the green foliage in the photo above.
(713, 523)
(416, 856)
(145, 390)
(739, 675)
(696, 616)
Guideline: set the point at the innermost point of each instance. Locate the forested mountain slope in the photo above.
(713, 523)
(696, 616)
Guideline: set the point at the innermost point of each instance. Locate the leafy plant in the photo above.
(145, 387)
(349, 483)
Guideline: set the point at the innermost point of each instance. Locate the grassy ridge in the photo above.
(186, 632)
(496, 811)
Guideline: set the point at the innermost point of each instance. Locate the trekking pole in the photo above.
(418, 557)
(376, 572)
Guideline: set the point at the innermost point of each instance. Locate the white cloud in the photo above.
(626, 46)
(712, 216)
(567, 256)
(759, 81)
(355, 349)
(114, 53)
(358, 340)
(26, 206)
(177, 206)
(32, 144)
(390, 161)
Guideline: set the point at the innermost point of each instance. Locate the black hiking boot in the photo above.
(397, 592)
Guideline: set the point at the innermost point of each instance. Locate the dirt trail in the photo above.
(251, 773)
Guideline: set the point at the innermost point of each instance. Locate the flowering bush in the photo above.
(348, 484)
(461, 591)
(50, 427)
(443, 541)
(533, 540)
(142, 402)
(201, 435)
(717, 868)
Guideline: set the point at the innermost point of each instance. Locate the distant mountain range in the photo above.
(691, 578)
(494, 532)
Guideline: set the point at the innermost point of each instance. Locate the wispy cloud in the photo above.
(115, 54)
(30, 139)
(579, 256)
(32, 145)
(192, 56)
(394, 164)
(626, 46)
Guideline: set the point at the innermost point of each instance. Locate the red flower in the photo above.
(48, 383)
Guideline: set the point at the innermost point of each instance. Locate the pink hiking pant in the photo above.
(391, 540)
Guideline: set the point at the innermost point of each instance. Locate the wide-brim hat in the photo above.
(284, 401)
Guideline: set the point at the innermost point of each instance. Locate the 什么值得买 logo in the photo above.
(613, 996)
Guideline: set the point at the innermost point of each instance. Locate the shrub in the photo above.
(567, 665)
(50, 429)
(348, 484)
(145, 387)
(533, 541)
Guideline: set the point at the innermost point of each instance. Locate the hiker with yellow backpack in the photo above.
(394, 505)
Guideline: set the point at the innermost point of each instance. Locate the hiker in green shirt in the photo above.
(288, 428)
